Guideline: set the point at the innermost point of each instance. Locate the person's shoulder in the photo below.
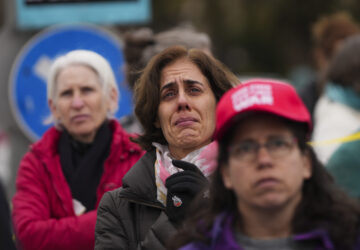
(122, 138)
(112, 195)
(148, 158)
(140, 179)
(109, 202)
(349, 149)
(346, 156)
(47, 144)
(143, 166)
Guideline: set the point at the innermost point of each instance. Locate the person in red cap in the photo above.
(269, 190)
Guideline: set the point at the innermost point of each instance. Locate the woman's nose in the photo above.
(263, 156)
(77, 102)
(183, 101)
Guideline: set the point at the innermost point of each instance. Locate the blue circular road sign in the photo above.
(29, 72)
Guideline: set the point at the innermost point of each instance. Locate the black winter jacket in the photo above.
(131, 217)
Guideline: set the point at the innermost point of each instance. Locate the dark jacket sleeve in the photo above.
(130, 217)
(114, 226)
(109, 230)
(160, 232)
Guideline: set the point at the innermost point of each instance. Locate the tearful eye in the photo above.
(168, 94)
(195, 90)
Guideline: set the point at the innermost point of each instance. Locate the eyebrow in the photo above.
(186, 81)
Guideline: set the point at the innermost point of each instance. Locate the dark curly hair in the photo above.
(147, 88)
(323, 204)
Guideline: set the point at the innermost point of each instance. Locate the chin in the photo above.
(272, 202)
(81, 133)
(193, 139)
(190, 142)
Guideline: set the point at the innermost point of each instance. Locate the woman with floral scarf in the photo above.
(175, 101)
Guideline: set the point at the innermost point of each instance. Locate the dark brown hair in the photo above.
(329, 30)
(344, 68)
(323, 206)
(328, 33)
(147, 89)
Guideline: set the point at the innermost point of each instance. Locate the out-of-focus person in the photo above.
(62, 178)
(328, 34)
(344, 166)
(269, 191)
(5, 153)
(140, 45)
(175, 101)
(338, 116)
(6, 234)
(337, 112)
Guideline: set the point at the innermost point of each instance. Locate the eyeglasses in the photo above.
(277, 147)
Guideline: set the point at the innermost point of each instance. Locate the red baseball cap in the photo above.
(265, 95)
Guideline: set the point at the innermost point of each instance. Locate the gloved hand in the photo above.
(182, 187)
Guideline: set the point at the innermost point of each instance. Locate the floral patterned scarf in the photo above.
(204, 158)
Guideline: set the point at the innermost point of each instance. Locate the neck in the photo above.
(85, 139)
(181, 152)
(88, 138)
(265, 223)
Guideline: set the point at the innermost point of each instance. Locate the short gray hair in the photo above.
(83, 57)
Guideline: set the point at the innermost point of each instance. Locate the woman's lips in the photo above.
(79, 118)
(266, 182)
(185, 121)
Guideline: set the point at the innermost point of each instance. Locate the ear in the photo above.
(225, 174)
(53, 109)
(307, 166)
(113, 100)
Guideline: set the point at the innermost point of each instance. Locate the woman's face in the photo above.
(271, 176)
(186, 113)
(79, 104)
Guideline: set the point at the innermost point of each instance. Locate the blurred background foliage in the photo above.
(252, 37)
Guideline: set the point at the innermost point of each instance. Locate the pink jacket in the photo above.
(43, 213)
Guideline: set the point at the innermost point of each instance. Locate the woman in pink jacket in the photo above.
(64, 175)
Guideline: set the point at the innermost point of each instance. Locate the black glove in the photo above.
(182, 187)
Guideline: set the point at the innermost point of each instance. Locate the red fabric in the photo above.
(43, 213)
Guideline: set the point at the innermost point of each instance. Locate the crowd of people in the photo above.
(205, 162)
